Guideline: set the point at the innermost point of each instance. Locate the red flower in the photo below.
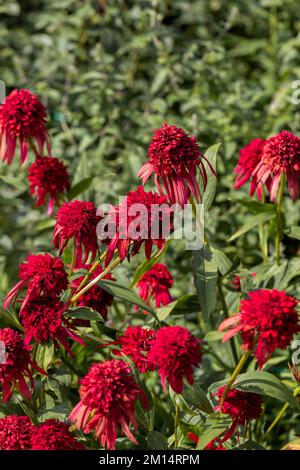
(108, 395)
(15, 432)
(41, 274)
(22, 119)
(53, 435)
(48, 177)
(250, 157)
(241, 406)
(281, 155)
(174, 157)
(142, 217)
(212, 445)
(96, 298)
(43, 321)
(267, 321)
(176, 352)
(155, 284)
(136, 343)
(16, 365)
(78, 221)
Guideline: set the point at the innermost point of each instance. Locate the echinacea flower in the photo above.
(174, 158)
(15, 432)
(108, 395)
(212, 445)
(176, 352)
(155, 284)
(53, 435)
(141, 218)
(77, 221)
(96, 298)
(136, 343)
(15, 369)
(48, 179)
(267, 321)
(40, 274)
(243, 407)
(43, 321)
(250, 157)
(281, 156)
(22, 120)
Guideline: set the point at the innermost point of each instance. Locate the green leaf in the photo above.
(205, 279)
(293, 232)
(215, 425)
(265, 383)
(257, 207)
(80, 188)
(196, 397)
(157, 441)
(209, 194)
(125, 293)
(84, 313)
(252, 222)
(213, 336)
(186, 304)
(224, 264)
(44, 355)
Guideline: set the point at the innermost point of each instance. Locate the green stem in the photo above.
(73, 259)
(226, 314)
(234, 375)
(94, 281)
(278, 234)
(263, 241)
(280, 414)
(176, 422)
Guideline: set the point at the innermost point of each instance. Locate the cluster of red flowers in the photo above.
(18, 433)
(264, 162)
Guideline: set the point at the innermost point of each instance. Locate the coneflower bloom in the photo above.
(15, 432)
(53, 435)
(40, 274)
(48, 179)
(22, 120)
(108, 395)
(77, 221)
(15, 369)
(250, 157)
(136, 343)
(43, 321)
(96, 298)
(141, 218)
(155, 285)
(212, 445)
(174, 158)
(176, 352)
(243, 407)
(281, 156)
(267, 321)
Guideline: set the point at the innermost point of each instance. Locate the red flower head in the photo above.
(41, 274)
(96, 298)
(212, 445)
(48, 177)
(78, 221)
(176, 352)
(43, 321)
(136, 343)
(108, 395)
(16, 365)
(267, 321)
(174, 157)
(22, 119)
(15, 432)
(281, 155)
(250, 157)
(53, 435)
(142, 217)
(155, 284)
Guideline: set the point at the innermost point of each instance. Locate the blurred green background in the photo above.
(222, 70)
